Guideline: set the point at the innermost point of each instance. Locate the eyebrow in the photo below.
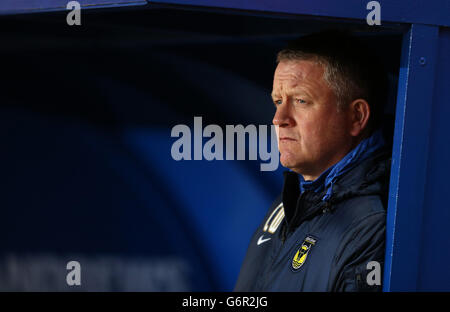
(290, 91)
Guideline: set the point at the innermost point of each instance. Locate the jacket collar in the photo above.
(326, 180)
(369, 177)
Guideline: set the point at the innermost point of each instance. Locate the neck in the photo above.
(313, 175)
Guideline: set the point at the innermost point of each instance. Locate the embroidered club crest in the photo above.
(302, 252)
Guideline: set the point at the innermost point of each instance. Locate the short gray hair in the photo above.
(351, 69)
(334, 75)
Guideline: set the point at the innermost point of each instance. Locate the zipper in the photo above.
(287, 229)
(358, 280)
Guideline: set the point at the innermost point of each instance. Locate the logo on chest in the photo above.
(274, 220)
(302, 253)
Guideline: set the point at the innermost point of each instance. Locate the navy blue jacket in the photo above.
(307, 244)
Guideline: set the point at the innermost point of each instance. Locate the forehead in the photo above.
(293, 73)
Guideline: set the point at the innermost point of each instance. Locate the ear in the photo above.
(359, 111)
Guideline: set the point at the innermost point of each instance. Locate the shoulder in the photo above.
(360, 207)
(276, 205)
(355, 215)
(365, 226)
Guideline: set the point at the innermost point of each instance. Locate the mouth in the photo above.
(286, 139)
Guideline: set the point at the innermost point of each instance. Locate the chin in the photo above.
(294, 162)
(289, 162)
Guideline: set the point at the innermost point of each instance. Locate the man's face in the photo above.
(313, 135)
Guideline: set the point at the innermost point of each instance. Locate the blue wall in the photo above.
(435, 254)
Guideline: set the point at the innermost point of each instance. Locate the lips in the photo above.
(286, 139)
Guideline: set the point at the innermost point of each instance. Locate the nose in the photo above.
(282, 116)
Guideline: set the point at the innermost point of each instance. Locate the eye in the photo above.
(277, 102)
(300, 101)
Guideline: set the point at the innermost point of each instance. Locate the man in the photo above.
(328, 224)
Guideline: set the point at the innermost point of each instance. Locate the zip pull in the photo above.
(327, 208)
